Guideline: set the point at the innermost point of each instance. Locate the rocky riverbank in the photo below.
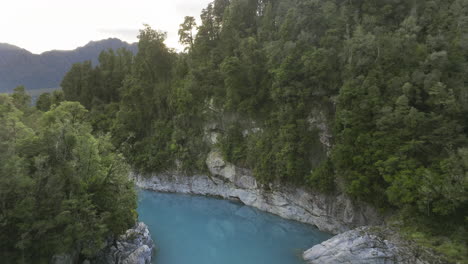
(372, 245)
(133, 247)
(330, 214)
(356, 241)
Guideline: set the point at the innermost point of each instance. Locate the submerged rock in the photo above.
(133, 247)
(368, 245)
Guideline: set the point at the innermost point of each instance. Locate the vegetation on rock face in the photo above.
(61, 188)
(389, 76)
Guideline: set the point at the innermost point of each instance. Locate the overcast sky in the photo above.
(42, 25)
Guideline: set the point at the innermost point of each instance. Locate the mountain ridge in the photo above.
(8, 46)
(19, 66)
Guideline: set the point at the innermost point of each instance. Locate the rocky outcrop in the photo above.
(356, 242)
(335, 214)
(318, 120)
(133, 247)
(64, 258)
(368, 245)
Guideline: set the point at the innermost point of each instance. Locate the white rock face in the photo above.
(134, 247)
(365, 245)
(318, 120)
(328, 213)
(62, 259)
(334, 214)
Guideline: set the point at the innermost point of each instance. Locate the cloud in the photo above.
(190, 8)
(41, 25)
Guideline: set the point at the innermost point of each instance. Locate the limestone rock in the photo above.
(333, 214)
(318, 120)
(133, 247)
(62, 259)
(366, 245)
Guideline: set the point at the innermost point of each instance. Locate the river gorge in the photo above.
(200, 230)
(225, 216)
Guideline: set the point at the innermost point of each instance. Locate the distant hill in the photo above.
(21, 67)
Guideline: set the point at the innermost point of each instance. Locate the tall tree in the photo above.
(186, 29)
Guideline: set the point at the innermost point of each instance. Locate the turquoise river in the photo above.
(202, 230)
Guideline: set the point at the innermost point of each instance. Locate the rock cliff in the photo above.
(369, 245)
(133, 247)
(356, 242)
(335, 214)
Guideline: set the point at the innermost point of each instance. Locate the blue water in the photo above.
(201, 230)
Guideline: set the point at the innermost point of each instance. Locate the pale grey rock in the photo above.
(142, 255)
(213, 137)
(368, 245)
(211, 133)
(62, 259)
(318, 120)
(335, 214)
(218, 167)
(133, 247)
(252, 130)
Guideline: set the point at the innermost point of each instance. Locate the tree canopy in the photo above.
(62, 189)
(364, 97)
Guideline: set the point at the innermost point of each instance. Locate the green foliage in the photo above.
(57, 97)
(93, 87)
(449, 242)
(59, 184)
(20, 98)
(186, 29)
(322, 178)
(275, 77)
(159, 124)
(234, 145)
(44, 102)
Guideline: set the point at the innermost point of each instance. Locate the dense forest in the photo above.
(388, 79)
(62, 189)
